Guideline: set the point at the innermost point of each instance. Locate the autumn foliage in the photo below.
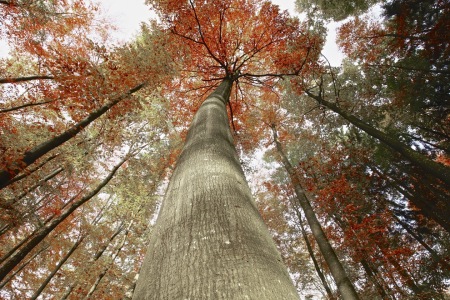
(381, 212)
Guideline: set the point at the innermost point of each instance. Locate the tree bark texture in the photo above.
(209, 241)
(338, 272)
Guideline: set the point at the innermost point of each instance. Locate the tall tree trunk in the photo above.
(25, 78)
(434, 168)
(34, 169)
(313, 258)
(343, 283)
(371, 273)
(40, 234)
(14, 167)
(209, 241)
(434, 255)
(22, 266)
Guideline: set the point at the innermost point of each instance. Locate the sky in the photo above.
(127, 15)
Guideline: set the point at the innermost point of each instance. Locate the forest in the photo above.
(219, 154)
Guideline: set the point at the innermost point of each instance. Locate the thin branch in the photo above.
(25, 78)
(5, 110)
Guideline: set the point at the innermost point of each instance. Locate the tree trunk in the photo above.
(23, 265)
(430, 209)
(14, 167)
(111, 262)
(34, 169)
(25, 78)
(313, 258)
(434, 168)
(209, 241)
(56, 269)
(343, 283)
(42, 232)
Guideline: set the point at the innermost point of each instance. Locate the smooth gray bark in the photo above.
(209, 241)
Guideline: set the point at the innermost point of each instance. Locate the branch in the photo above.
(25, 78)
(203, 37)
(5, 110)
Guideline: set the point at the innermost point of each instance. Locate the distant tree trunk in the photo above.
(12, 168)
(430, 209)
(22, 266)
(39, 183)
(25, 78)
(434, 168)
(34, 169)
(111, 262)
(343, 283)
(40, 234)
(313, 258)
(209, 241)
(370, 272)
(404, 274)
(38, 292)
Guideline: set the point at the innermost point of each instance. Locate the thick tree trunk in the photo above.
(434, 168)
(209, 241)
(40, 234)
(343, 283)
(14, 167)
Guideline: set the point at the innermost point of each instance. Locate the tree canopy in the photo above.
(90, 133)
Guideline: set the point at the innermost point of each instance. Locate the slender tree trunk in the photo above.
(42, 232)
(404, 274)
(56, 269)
(313, 258)
(5, 110)
(434, 168)
(25, 78)
(370, 272)
(39, 183)
(22, 266)
(430, 209)
(343, 283)
(34, 169)
(105, 269)
(13, 168)
(68, 292)
(209, 241)
(420, 240)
